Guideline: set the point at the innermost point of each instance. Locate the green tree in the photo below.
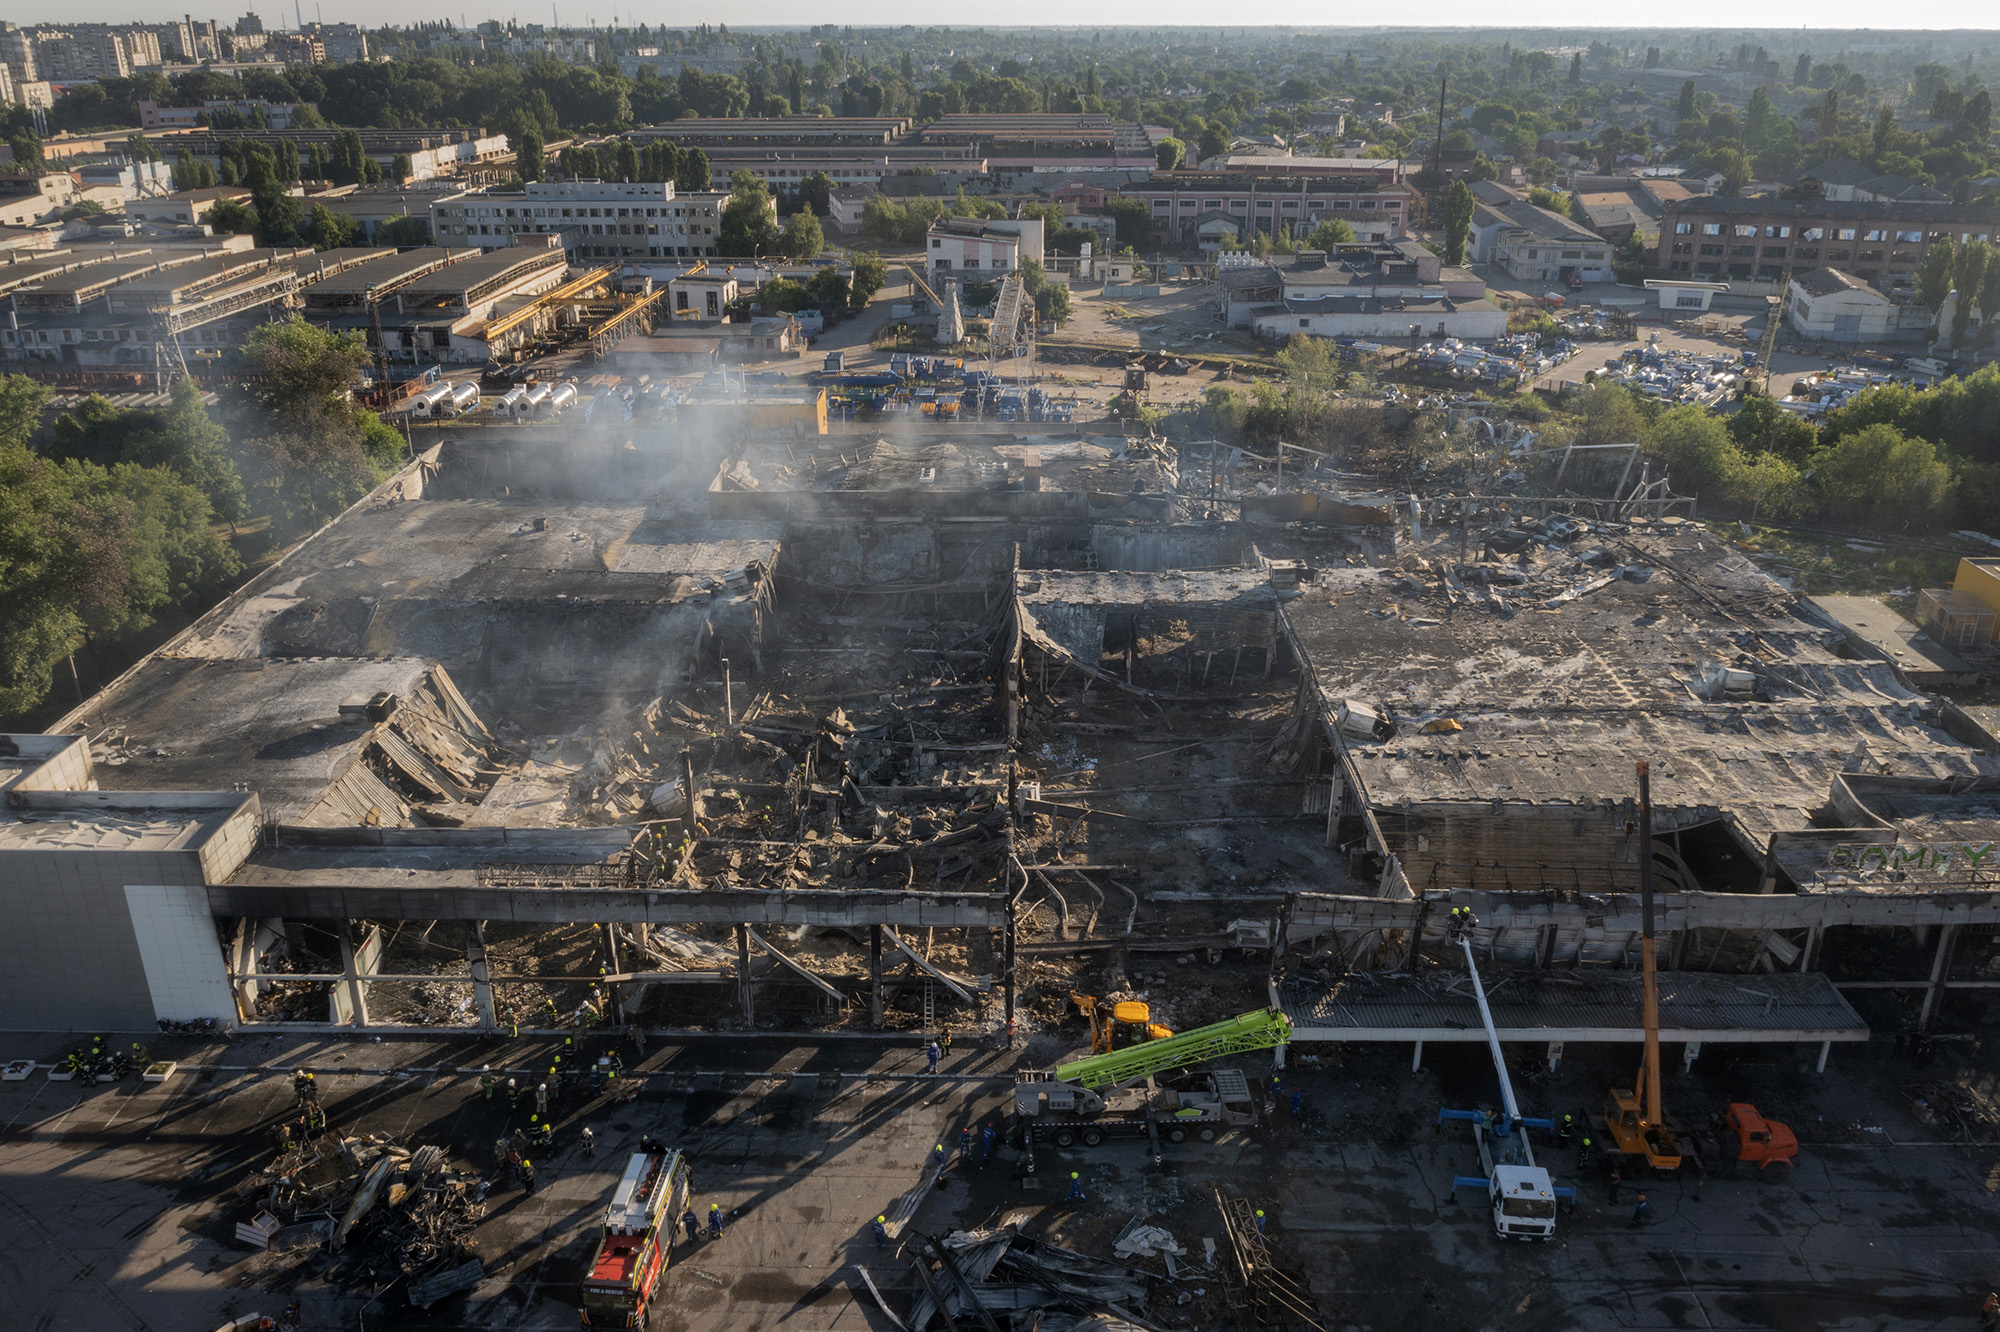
(625, 164)
(1879, 476)
(1608, 414)
(693, 172)
(1685, 107)
(781, 294)
(401, 168)
(1214, 141)
(802, 238)
(580, 163)
(1052, 303)
(404, 232)
(1330, 232)
(316, 452)
(1170, 154)
(1458, 206)
(328, 230)
(1968, 274)
(231, 217)
(816, 193)
(1934, 275)
(1885, 129)
(749, 225)
(871, 274)
(528, 162)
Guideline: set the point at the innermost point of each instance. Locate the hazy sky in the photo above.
(1725, 15)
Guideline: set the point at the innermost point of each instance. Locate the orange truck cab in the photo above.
(1765, 1144)
(638, 1233)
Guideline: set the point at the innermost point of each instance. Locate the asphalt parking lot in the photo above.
(115, 1207)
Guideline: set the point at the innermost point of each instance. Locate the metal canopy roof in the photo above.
(1582, 1007)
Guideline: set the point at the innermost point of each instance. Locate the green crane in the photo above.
(1242, 1034)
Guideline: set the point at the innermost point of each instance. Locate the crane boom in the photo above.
(1242, 1034)
(1492, 1039)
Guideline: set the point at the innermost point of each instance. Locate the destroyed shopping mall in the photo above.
(561, 728)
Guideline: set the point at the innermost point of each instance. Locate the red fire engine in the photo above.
(631, 1253)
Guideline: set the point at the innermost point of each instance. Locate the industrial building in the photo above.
(593, 219)
(1758, 240)
(1378, 210)
(1027, 692)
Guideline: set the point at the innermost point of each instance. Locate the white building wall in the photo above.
(180, 951)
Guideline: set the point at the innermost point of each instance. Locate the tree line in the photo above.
(115, 523)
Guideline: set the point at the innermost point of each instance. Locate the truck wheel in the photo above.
(1065, 1138)
(1093, 1137)
(1775, 1172)
(1177, 1135)
(1208, 1135)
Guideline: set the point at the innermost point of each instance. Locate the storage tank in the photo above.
(426, 404)
(464, 398)
(509, 403)
(559, 400)
(532, 404)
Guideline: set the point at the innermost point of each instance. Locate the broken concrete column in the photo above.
(482, 985)
(743, 974)
(875, 975)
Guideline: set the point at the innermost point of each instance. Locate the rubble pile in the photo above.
(1017, 1280)
(378, 1211)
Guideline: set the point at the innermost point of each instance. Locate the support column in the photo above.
(1940, 968)
(1824, 1048)
(687, 786)
(482, 987)
(728, 697)
(875, 976)
(1809, 955)
(353, 965)
(243, 961)
(1417, 1056)
(743, 976)
(614, 992)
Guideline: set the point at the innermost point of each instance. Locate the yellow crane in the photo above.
(1632, 1115)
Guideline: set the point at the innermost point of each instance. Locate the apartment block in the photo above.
(596, 219)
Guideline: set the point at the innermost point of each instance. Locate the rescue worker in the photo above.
(303, 1086)
(1076, 1193)
(1583, 1152)
(965, 1146)
(539, 1131)
(1260, 1220)
(880, 1229)
(140, 1056)
(1298, 1104)
(527, 1175)
(937, 1156)
(1989, 1312)
(513, 1094)
(987, 1137)
(715, 1220)
(931, 1057)
(488, 1080)
(589, 1144)
(1639, 1212)
(315, 1118)
(692, 1224)
(1565, 1130)
(542, 1099)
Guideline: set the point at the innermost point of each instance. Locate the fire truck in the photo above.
(638, 1231)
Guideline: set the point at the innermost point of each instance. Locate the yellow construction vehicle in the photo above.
(1632, 1115)
(1117, 1026)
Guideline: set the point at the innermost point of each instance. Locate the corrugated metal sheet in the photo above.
(1551, 1005)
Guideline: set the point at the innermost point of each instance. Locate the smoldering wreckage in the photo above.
(567, 732)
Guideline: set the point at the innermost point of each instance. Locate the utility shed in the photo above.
(1876, 629)
(1593, 1007)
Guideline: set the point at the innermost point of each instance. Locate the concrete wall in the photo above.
(70, 958)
